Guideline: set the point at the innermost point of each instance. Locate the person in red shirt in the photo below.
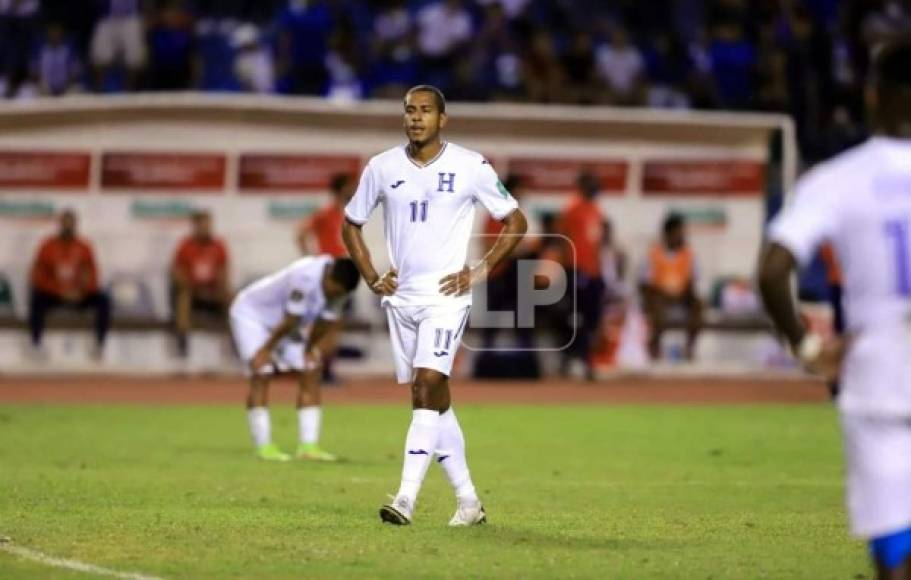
(321, 232)
(64, 275)
(199, 278)
(583, 223)
(669, 282)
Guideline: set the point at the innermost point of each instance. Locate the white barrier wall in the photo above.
(132, 166)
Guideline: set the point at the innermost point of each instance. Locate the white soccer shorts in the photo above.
(425, 337)
(250, 335)
(878, 456)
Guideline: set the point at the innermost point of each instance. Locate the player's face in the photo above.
(423, 119)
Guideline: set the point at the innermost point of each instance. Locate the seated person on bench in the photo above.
(64, 275)
(668, 283)
(199, 278)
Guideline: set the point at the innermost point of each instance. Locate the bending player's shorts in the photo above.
(425, 337)
(878, 456)
(250, 335)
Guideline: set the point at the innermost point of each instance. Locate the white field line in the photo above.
(76, 565)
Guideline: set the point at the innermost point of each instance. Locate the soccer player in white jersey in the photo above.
(268, 320)
(861, 202)
(428, 189)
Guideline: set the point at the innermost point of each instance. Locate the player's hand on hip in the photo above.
(461, 282)
(387, 284)
(261, 359)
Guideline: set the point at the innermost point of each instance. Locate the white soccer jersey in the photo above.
(861, 202)
(295, 289)
(428, 215)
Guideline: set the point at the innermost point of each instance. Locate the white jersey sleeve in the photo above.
(491, 192)
(366, 197)
(809, 220)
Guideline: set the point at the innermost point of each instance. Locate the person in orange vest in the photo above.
(583, 223)
(199, 278)
(64, 275)
(669, 282)
(321, 232)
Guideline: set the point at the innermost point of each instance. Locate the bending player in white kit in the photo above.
(265, 316)
(428, 189)
(861, 202)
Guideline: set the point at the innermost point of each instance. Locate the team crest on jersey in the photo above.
(447, 182)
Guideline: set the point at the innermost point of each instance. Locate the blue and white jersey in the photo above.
(861, 202)
(428, 214)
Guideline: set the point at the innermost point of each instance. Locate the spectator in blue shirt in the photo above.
(304, 29)
(171, 48)
(733, 60)
(57, 64)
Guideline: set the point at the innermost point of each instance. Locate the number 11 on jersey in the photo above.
(419, 211)
(897, 231)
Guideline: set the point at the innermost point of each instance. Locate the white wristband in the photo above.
(810, 348)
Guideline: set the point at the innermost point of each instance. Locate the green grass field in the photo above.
(572, 492)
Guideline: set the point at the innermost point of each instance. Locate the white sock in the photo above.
(260, 426)
(308, 422)
(419, 447)
(451, 457)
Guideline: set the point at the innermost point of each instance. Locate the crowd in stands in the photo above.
(806, 57)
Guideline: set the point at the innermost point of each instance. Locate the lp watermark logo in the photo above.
(527, 303)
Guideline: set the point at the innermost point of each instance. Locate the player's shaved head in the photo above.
(438, 97)
(892, 86)
(424, 118)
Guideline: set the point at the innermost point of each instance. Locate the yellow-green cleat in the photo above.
(271, 452)
(312, 452)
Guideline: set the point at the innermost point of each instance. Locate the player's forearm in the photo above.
(515, 226)
(321, 337)
(775, 269)
(287, 324)
(353, 238)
